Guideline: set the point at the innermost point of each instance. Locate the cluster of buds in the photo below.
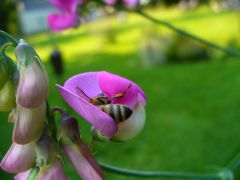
(70, 10)
(36, 152)
(24, 93)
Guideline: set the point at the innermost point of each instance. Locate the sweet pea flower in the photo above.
(33, 84)
(19, 158)
(76, 150)
(131, 3)
(93, 84)
(28, 123)
(23, 175)
(67, 17)
(52, 171)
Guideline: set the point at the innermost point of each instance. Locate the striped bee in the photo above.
(117, 111)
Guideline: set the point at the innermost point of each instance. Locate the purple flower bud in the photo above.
(23, 175)
(45, 150)
(132, 3)
(7, 96)
(110, 2)
(52, 171)
(19, 158)
(77, 152)
(29, 123)
(33, 84)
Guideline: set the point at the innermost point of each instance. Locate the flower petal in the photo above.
(131, 3)
(33, 85)
(23, 175)
(29, 124)
(60, 22)
(112, 84)
(131, 127)
(83, 161)
(99, 119)
(66, 5)
(110, 2)
(19, 158)
(87, 82)
(52, 171)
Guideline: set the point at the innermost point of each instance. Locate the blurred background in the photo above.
(193, 91)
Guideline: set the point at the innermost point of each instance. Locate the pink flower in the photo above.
(19, 158)
(52, 171)
(68, 16)
(132, 3)
(81, 89)
(23, 175)
(60, 22)
(76, 150)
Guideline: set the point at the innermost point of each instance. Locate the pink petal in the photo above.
(112, 84)
(23, 175)
(66, 5)
(52, 172)
(19, 158)
(29, 124)
(110, 2)
(83, 161)
(132, 3)
(99, 119)
(87, 82)
(60, 22)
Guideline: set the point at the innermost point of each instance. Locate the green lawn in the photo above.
(193, 109)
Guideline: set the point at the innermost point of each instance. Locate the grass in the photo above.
(192, 108)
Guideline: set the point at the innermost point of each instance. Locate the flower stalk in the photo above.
(187, 34)
(158, 174)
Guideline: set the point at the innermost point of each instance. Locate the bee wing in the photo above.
(82, 94)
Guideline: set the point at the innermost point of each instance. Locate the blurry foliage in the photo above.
(156, 49)
(8, 14)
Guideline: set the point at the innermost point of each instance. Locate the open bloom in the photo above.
(67, 17)
(80, 90)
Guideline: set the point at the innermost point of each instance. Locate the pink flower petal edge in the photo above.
(87, 82)
(23, 175)
(83, 161)
(60, 22)
(112, 84)
(19, 158)
(66, 5)
(91, 113)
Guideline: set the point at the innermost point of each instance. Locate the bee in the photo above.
(117, 111)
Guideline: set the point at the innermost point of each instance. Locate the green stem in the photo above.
(51, 121)
(9, 38)
(182, 32)
(158, 174)
(234, 163)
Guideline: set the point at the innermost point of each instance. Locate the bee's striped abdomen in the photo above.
(118, 112)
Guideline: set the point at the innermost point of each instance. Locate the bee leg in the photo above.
(119, 95)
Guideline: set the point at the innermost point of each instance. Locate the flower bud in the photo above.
(45, 151)
(7, 96)
(78, 152)
(23, 175)
(29, 123)
(19, 158)
(52, 171)
(33, 84)
(131, 127)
